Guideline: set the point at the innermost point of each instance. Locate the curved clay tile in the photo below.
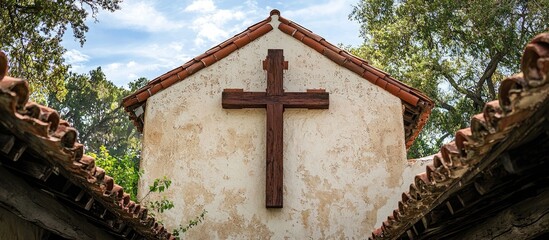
(520, 96)
(55, 141)
(18, 87)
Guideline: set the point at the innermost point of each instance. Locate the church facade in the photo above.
(312, 144)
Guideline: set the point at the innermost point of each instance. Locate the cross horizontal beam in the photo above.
(310, 100)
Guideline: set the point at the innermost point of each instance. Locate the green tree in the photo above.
(92, 105)
(457, 52)
(31, 32)
(123, 169)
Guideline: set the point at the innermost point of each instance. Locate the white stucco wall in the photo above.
(343, 167)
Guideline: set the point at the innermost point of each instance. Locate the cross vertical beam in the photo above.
(274, 65)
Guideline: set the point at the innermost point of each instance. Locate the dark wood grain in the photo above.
(274, 100)
(274, 155)
(237, 100)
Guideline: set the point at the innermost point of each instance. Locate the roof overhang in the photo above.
(493, 178)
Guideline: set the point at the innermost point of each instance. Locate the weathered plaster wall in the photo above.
(343, 167)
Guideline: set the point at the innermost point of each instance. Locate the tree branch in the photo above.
(28, 9)
(475, 98)
(440, 140)
(491, 88)
(444, 105)
(110, 116)
(487, 75)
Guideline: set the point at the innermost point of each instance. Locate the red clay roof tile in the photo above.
(393, 89)
(222, 53)
(241, 42)
(289, 30)
(54, 142)
(381, 83)
(199, 57)
(260, 31)
(313, 44)
(476, 149)
(17, 87)
(515, 82)
(409, 98)
(334, 56)
(370, 76)
(155, 89)
(354, 67)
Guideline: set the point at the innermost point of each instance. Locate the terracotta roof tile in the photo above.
(416, 103)
(196, 64)
(334, 56)
(38, 129)
(502, 126)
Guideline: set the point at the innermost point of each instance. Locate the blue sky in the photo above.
(149, 38)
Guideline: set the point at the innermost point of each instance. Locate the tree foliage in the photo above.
(124, 169)
(92, 105)
(457, 52)
(31, 32)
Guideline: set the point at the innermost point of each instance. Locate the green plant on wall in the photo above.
(182, 229)
(127, 175)
(159, 206)
(159, 186)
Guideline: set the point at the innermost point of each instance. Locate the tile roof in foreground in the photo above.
(416, 105)
(500, 161)
(36, 142)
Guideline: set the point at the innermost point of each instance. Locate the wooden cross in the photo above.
(274, 100)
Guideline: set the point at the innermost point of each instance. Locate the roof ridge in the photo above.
(417, 104)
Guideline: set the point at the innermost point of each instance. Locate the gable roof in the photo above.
(416, 105)
(41, 148)
(493, 170)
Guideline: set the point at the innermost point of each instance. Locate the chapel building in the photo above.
(278, 133)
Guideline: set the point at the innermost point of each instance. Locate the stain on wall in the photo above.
(343, 167)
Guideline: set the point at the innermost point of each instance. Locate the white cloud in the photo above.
(76, 59)
(141, 15)
(188, 30)
(201, 6)
(213, 25)
(120, 73)
(113, 66)
(164, 53)
(144, 60)
(132, 76)
(177, 46)
(74, 56)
